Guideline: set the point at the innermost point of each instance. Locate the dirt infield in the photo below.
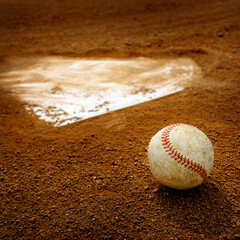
(90, 180)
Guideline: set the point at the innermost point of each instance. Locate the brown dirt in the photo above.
(89, 180)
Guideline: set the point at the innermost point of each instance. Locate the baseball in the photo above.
(180, 156)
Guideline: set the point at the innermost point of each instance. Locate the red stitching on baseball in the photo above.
(169, 148)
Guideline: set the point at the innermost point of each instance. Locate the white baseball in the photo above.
(180, 156)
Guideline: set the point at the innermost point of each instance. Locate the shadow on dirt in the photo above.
(198, 210)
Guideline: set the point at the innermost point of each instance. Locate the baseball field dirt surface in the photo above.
(90, 179)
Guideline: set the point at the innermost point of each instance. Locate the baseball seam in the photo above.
(173, 153)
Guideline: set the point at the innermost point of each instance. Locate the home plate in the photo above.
(64, 90)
